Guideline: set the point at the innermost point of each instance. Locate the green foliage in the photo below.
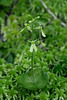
(6, 2)
(5, 7)
(36, 79)
(51, 55)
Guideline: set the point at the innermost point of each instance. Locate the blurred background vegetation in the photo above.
(14, 48)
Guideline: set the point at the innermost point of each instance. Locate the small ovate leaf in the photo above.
(33, 47)
(43, 33)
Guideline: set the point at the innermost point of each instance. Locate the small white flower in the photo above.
(33, 47)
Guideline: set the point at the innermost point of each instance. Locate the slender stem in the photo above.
(32, 60)
(32, 33)
(32, 65)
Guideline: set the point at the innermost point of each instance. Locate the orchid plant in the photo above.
(33, 47)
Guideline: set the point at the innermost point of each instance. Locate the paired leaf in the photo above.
(37, 80)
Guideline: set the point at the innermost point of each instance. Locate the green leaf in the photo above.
(33, 81)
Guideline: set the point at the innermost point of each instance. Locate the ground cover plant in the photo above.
(18, 20)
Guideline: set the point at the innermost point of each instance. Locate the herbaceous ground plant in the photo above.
(36, 78)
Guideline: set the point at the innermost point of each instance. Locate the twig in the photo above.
(49, 11)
